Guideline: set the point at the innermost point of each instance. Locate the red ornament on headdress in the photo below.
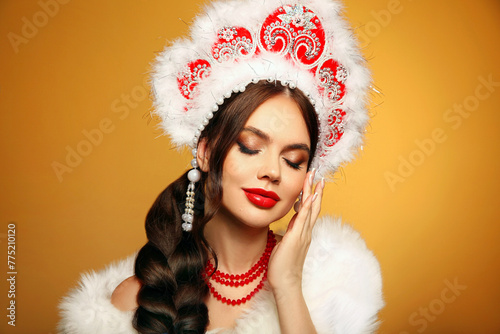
(296, 32)
(188, 80)
(233, 43)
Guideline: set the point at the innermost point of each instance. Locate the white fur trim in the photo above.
(342, 287)
(341, 45)
(342, 280)
(87, 309)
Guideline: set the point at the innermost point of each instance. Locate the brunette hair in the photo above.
(171, 263)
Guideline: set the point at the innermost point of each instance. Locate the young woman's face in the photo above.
(264, 171)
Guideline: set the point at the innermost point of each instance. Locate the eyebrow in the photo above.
(266, 137)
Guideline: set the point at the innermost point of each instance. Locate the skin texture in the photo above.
(271, 153)
(124, 296)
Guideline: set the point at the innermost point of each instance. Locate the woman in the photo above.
(262, 95)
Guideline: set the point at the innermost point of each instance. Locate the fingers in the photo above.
(298, 220)
(304, 215)
(306, 190)
(316, 201)
(308, 183)
(314, 206)
(309, 206)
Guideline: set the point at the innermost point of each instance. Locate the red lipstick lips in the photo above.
(262, 197)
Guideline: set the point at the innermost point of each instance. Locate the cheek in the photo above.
(295, 184)
(236, 170)
(232, 168)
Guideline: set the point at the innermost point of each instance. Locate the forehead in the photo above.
(280, 116)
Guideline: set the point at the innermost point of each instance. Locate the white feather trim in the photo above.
(341, 45)
(342, 287)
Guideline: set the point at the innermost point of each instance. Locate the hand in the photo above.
(287, 259)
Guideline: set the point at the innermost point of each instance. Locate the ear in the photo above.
(202, 155)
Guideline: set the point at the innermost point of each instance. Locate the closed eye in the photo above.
(294, 165)
(246, 150)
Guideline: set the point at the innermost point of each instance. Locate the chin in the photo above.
(256, 217)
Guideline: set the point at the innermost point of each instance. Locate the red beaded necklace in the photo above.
(257, 270)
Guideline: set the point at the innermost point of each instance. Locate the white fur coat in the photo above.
(342, 287)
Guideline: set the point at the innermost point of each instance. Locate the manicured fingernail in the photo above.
(322, 183)
(311, 177)
(314, 197)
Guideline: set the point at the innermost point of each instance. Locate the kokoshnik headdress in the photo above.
(303, 44)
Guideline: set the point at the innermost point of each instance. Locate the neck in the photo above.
(237, 246)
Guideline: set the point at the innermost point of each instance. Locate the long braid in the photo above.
(169, 267)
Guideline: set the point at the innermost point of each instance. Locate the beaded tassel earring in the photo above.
(194, 176)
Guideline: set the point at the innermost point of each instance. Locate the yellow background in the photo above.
(84, 67)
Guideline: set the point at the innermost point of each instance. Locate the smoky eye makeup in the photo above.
(244, 149)
(294, 165)
(249, 143)
(296, 160)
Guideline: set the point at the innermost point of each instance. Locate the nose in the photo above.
(270, 170)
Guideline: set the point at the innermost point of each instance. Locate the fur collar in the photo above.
(342, 287)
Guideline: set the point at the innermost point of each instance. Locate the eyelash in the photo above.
(296, 166)
(246, 150)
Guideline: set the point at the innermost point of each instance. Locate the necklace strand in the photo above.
(231, 280)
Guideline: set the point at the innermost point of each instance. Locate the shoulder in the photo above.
(342, 278)
(87, 308)
(124, 297)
